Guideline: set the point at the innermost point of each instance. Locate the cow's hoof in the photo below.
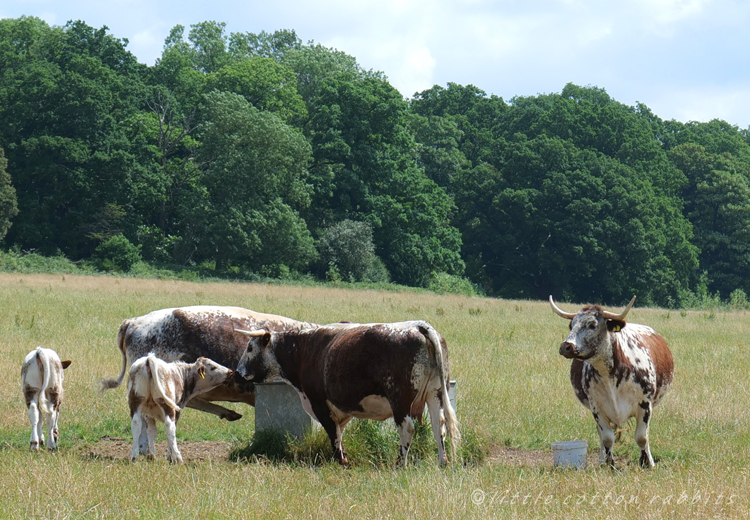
(34, 446)
(231, 416)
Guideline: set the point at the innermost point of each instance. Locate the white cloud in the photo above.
(729, 103)
(671, 11)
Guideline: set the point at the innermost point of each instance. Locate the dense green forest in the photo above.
(258, 153)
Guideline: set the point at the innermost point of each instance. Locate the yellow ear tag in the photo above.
(202, 372)
(616, 328)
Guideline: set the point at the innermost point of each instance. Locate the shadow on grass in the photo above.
(366, 442)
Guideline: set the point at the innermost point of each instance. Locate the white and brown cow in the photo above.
(372, 371)
(42, 384)
(187, 333)
(157, 391)
(620, 370)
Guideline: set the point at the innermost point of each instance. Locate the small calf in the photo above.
(159, 390)
(42, 384)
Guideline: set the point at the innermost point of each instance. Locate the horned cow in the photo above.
(620, 370)
(42, 385)
(158, 390)
(372, 371)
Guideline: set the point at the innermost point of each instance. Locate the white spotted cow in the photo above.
(42, 384)
(620, 370)
(187, 333)
(157, 391)
(373, 371)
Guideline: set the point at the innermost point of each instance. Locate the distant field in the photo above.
(513, 396)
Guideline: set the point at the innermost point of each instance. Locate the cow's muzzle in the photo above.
(568, 350)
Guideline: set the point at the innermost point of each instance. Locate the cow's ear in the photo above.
(615, 325)
(66, 363)
(202, 371)
(265, 340)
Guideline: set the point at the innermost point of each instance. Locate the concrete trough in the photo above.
(278, 407)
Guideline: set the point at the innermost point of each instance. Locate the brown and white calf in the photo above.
(42, 384)
(620, 370)
(158, 390)
(373, 371)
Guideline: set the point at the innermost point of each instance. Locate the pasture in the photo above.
(514, 398)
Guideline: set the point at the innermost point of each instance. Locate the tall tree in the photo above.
(717, 202)
(364, 170)
(244, 210)
(558, 220)
(265, 83)
(65, 92)
(8, 203)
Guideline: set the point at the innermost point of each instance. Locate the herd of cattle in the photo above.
(196, 356)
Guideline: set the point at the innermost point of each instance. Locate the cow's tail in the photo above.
(157, 389)
(451, 421)
(44, 361)
(110, 382)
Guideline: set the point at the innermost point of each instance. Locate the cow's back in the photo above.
(187, 333)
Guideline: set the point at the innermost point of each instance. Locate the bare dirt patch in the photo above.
(537, 458)
(117, 448)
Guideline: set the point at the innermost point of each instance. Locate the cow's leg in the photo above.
(438, 426)
(53, 407)
(56, 424)
(606, 439)
(150, 431)
(641, 434)
(173, 453)
(37, 436)
(220, 411)
(51, 427)
(143, 439)
(334, 430)
(405, 434)
(136, 424)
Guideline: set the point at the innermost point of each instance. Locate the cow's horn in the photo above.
(251, 333)
(559, 311)
(619, 317)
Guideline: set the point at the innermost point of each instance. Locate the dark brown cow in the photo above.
(373, 371)
(620, 370)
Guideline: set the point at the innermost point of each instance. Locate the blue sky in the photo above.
(687, 60)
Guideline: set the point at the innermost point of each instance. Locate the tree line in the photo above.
(258, 153)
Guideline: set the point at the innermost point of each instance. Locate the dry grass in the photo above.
(513, 391)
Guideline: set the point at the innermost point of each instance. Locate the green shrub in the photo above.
(155, 245)
(444, 283)
(738, 300)
(116, 254)
(347, 253)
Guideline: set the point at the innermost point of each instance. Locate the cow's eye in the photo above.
(592, 325)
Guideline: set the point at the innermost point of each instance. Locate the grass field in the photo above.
(513, 397)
